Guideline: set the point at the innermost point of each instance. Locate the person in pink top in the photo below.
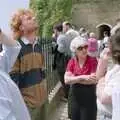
(92, 45)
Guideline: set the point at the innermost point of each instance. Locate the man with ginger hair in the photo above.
(28, 70)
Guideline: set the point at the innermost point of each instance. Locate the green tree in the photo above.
(50, 12)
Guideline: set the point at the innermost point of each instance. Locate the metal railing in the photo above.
(51, 75)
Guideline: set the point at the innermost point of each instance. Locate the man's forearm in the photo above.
(7, 41)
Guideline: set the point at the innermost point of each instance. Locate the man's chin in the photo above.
(32, 29)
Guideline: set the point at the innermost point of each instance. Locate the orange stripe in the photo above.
(31, 61)
(35, 95)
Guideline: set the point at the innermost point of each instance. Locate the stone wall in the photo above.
(90, 13)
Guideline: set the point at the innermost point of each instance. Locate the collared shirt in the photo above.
(12, 106)
(89, 66)
(84, 94)
(28, 73)
(26, 41)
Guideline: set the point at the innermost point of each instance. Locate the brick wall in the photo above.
(90, 13)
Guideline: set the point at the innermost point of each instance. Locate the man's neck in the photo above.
(31, 37)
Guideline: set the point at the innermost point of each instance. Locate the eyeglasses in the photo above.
(82, 47)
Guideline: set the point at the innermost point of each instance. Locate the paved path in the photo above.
(61, 112)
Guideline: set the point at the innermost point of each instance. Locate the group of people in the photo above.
(91, 77)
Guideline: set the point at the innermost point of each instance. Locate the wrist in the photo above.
(86, 77)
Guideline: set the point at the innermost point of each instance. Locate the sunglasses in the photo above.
(82, 47)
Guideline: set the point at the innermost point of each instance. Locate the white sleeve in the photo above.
(5, 109)
(8, 57)
(116, 103)
(6, 112)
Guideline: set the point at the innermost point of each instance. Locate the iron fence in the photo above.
(51, 75)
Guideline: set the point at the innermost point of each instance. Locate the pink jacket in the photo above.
(92, 45)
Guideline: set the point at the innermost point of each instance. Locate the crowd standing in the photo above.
(89, 72)
(92, 72)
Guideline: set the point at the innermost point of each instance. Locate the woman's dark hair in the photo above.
(106, 33)
(115, 47)
(69, 24)
(58, 27)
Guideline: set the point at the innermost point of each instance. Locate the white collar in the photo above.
(26, 41)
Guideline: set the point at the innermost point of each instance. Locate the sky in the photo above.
(7, 8)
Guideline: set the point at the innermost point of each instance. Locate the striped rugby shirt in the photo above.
(28, 74)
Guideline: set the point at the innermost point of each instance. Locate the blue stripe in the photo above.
(32, 77)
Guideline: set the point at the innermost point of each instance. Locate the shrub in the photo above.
(50, 12)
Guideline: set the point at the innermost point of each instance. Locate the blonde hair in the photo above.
(92, 35)
(16, 21)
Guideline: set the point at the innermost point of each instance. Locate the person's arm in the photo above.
(82, 79)
(101, 68)
(6, 40)
(8, 56)
(71, 79)
(102, 64)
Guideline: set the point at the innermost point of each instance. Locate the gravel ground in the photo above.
(61, 112)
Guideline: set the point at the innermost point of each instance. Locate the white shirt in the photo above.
(72, 33)
(61, 43)
(112, 88)
(12, 106)
(105, 41)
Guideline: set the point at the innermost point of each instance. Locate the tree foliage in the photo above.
(50, 12)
